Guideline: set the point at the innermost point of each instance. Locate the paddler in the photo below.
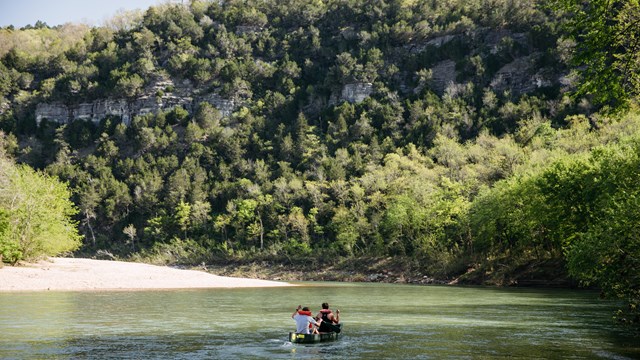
(329, 320)
(303, 319)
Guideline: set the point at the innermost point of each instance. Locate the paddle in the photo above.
(330, 327)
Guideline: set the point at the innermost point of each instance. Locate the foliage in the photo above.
(607, 253)
(175, 251)
(36, 214)
(606, 39)
(9, 251)
(584, 206)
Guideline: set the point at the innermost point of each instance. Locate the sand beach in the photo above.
(75, 274)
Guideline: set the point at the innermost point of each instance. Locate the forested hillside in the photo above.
(468, 137)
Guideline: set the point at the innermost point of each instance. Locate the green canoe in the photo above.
(312, 338)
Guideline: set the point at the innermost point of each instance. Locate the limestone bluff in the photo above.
(127, 109)
(161, 96)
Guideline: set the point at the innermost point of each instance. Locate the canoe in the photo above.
(312, 338)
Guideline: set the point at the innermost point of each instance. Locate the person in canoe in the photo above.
(304, 321)
(329, 322)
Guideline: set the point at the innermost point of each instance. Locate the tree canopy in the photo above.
(35, 214)
(606, 48)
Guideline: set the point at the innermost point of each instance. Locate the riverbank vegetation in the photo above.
(464, 138)
(35, 214)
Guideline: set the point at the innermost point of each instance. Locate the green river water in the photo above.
(381, 321)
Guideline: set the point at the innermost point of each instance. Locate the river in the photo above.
(381, 321)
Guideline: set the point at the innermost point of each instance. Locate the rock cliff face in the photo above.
(57, 112)
(443, 75)
(356, 92)
(436, 42)
(126, 110)
(521, 76)
(353, 93)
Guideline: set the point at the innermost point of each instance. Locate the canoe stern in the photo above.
(312, 338)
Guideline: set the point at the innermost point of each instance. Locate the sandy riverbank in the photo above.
(88, 274)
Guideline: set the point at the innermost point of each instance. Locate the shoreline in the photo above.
(538, 274)
(79, 274)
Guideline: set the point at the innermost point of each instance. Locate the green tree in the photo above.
(606, 35)
(346, 232)
(39, 214)
(129, 86)
(604, 250)
(8, 250)
(183, 217)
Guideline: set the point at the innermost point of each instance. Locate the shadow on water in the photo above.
(382, 321)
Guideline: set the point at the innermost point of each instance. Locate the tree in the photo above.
(130, 231)
(343, 224)
(8, 250)
(129, 86)
(88, 199)
(8, 145)
(39, 214)
(183, 216)
(606, 34)
(606, 250)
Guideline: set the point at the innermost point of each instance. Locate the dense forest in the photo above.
(470, 138)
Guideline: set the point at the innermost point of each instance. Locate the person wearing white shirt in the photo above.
(303, 318)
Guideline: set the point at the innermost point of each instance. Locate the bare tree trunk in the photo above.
(93, 236)
(261, 233)
(87, 220)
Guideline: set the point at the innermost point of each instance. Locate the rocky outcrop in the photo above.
(490, 38)
(162, 94)
(57, 112)
(436, 42)
(225, 106)
(444, 72)
(521, 76)
(443, 75)
(356, 92)
(127, 110)
(493, 38)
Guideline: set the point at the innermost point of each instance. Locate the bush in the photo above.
(38, 214)
(177, 251)
(9, 251)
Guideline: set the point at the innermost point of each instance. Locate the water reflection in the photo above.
(381, 322)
